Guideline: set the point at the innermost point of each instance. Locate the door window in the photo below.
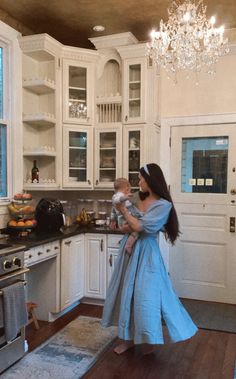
(204, 165)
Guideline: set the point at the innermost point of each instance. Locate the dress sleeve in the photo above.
(156, 217)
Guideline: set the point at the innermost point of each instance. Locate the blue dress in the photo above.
(140, 292)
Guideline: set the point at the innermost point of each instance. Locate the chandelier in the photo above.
(187, 41)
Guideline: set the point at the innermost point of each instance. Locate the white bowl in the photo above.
(100, 222)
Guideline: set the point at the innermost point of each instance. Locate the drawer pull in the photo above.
(48, 250)
(67, 242)
(101, 245)
(40, 253)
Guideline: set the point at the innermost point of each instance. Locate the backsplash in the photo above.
(74, 201)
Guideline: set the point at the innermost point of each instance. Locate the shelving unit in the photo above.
(40, 109)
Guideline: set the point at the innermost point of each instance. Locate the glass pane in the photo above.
(204, 165)
(3, 161)
(78, 139)
(108, 140)
(77, 156)
(1, 83)
(77, 92)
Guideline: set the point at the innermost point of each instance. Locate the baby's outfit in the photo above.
(119, 197)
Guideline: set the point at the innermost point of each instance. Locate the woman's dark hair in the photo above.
(153, 175)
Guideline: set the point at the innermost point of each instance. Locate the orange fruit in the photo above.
(28, 223)
(12, 223)
(20, 223)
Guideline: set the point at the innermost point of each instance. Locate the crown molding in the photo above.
(114, 40)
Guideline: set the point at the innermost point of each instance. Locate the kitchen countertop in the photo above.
(35, 239)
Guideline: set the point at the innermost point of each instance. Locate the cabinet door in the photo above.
(72, 270)
(77, 157)
(77, 91)
(95, 266)
(134, 144)
(107, 156)
(134, 90)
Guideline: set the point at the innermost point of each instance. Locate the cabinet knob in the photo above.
(89, 182)
(40, 253)
(48, 250)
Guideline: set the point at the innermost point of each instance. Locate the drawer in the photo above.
(113, 240)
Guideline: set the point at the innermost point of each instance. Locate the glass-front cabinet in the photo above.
(77, 157)
(107, 156)
(134, 90)
(133, 154)
(76, 92)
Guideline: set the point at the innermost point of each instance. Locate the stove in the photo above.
(11, 257)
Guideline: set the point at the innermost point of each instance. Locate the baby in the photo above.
(122, 193)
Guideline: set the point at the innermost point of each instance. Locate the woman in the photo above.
(140, 293)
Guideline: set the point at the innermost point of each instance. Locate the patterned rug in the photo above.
(66, 355)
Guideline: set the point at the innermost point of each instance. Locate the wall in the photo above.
(207, 94)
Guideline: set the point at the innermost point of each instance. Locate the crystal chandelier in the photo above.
(187, 41)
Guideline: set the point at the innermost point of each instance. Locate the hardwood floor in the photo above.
(208, 355)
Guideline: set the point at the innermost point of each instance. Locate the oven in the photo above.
(12, 271)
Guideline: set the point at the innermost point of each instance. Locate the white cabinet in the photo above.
(78, 87)
(77, 157)
(41, 113)
(72, 270)
(108, 156)
(113, 244)
(95, 266)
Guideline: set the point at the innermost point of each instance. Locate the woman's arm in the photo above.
(132, 221)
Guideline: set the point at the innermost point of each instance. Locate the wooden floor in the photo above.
(208, 355)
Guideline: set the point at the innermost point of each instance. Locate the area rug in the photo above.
(66, 355)
(211, 315)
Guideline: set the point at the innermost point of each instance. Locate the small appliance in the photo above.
(49, 214)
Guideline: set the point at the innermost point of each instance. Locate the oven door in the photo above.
(12, 351)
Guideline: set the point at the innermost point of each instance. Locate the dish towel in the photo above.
(14, 309)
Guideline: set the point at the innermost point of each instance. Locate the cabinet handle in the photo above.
(101, 245)
(30, 256)
(89, 182)
(67, 242)
(110, 260)
(56, 248)
(126, 118)
(96, 182)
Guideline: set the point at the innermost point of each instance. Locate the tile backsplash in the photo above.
(72, 201)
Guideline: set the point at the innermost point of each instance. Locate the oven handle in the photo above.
(13, 274)
(23, 281)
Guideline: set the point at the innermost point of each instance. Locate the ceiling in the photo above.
(71, 21)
